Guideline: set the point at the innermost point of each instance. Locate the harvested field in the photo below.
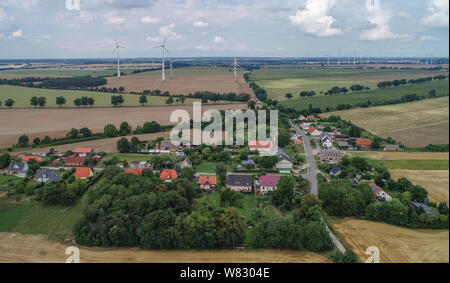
(407, 155)
(184, 81)
(396, 244)
(17, 248)
(436, 182)
(421, 137)
(58, 122)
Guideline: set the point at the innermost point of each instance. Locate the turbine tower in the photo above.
(339, 57)
(117, 49)
(354, 58)
(171, 69)
(164, 50)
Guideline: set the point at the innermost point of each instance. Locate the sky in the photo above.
(41, 29)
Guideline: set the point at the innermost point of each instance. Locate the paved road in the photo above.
(312, 176)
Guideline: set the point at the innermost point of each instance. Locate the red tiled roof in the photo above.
(269, 181)
(73, 159)
(260, 144)
(298, 141)
(83, 172)
(203, 180)
(137, 172)
(28, 158)
(312, 129)
(83, 150)
(364, 142)
(311, 117)
(169, 174)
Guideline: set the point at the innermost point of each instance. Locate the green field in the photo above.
(11, 214)
(22, 96)
(41, 219)
(68, 73)
(416, 164)
(374, 95)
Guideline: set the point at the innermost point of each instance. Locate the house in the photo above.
(74, 160)
(392, 147)
(28, 158)
(302, 118)
(305, 126)
(341, 137)
(167, 145)
(345, 145)
(168, 175)
(330, 155)
(263, 147)
(47, 176)
(137, 172)
(298, 141)
(268, 184)
(311, 118)
(249, 162)
(240, 183)
(284, 164)
(185, 164)
(326, 140)
(379, 193)
(84, 173)
(425, 208)
(335, 171)
(364, 143)
(140, 165)
(313, 131)
(208, 183)
(20, 169)
(84, 152)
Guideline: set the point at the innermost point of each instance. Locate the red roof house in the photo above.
(28, 158)
(208, 183)
(259, 145)
(364, 143)
(74, 160)
(298, 141)
(83, 173)
(137, 172)
(169, 175)
(311, 117)
(84, 151)
(268, 183)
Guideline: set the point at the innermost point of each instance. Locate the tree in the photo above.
(284, 195)
(77, 102)
(23, 141)
(34, 101)
(125, 128)
(123, 145)
(143, 100)
(5, 160)
(61, 100)
(9, 103)
(36, 141)
(221, 171)
(251, 105)
(230, 228)
(90, 101)
(110, 131)
(42, 101)
(267, 162)
(289, 95)
(121, 89)
(85, 133)
(317, 238)
(151, 127)
(182, 99)
(170, 100)
(73, 134)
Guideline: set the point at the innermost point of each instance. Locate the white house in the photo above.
(263, 147)
(379, 193)
(327, 142)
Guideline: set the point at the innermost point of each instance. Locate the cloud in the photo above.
(112, 19)
(4, 17)
(437, 14)
(200, 24)
(167, 31)
(150, 20)
(2, 35)
(86, 17)
(218, 39)
(382, 30)
(314, 18)
(428, 38)
(17, 34)
(154, 39)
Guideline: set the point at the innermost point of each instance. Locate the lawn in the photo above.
(41, 219)
(22, 96)
(11, 214)
(5, 180)
(416, 164)
(374, 95)
(210, 167)
(131, 157)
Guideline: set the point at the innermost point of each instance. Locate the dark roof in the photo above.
(335, 170)
(330, 152)
(240, 180)
(426, 208)
(250, 161)
(16, 167)
(51, 175)
(282, 155)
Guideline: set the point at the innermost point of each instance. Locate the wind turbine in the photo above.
(235, 66)
(117, 49)
(164, 50)
(171, 69)
(354, 58)
(339, 57)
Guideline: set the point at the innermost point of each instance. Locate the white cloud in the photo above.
(86, 17)
(112, 19)
(314, 18)
(428, 38)
(2, 35)
(437, 14)
(218, 39)
(150, 20)
(382, 30)
(4, 17)
(17, 34)
(200, 24)
(167, 31)
(154, 39)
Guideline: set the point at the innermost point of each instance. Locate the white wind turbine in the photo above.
(164, 50)
(117, 49)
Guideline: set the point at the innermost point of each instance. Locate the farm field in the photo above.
(416, 124)
(278, 82)
(374, 95)
(396, 244)
(184, 81)
(57, 122)
(435, 181)
(11, 214)
(17, 248)
(22, 96)
(406, 155)
(416, 164)
(21, 73)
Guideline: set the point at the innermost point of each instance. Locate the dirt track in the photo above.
(17, 248)
(58, 122)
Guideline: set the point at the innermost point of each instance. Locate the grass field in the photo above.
(396, 244)
(278, 82)
(63, 73)
(436, 182)
(11, 214)
(374, 95)
(41, 219)
(420, 123)
(210, 167)
(17, 248)
(417, 164)
(130, 157)
(406, 155)
(22, 96)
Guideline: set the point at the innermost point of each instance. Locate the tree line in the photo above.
(396, 83)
